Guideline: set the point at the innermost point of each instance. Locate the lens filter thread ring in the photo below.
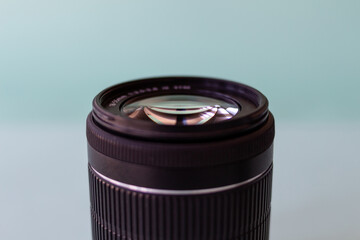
(165, 154)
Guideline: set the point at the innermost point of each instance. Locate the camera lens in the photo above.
(180, 158)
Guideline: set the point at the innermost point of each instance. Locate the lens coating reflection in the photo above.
(181, 110)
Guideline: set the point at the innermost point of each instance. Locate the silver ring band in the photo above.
(173, 192)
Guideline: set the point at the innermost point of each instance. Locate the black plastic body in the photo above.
(180, 182)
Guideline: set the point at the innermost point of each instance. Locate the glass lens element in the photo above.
(181, 110)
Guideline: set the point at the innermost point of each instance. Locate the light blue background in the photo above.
(55, 56)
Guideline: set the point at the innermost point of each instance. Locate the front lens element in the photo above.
(181, 110)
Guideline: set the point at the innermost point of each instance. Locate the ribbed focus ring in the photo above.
(162, 154)
(239, 214)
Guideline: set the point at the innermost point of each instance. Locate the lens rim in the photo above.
(253, 105)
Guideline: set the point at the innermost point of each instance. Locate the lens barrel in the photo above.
(180, 158)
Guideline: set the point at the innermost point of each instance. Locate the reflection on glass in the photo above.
(181, 110)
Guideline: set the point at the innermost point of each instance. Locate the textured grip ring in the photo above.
(241, 213)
